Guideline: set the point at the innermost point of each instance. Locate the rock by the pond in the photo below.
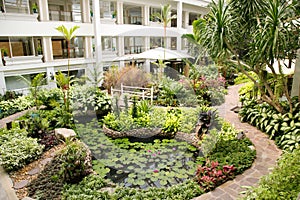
(64, 133)
(34, 171)
(21, 184)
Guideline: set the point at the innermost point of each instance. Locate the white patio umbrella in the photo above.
(126, 57)
(161, 53)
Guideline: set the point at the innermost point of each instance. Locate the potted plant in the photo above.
(4, 52)
(34, 8)
(114, 14)
(39, 50)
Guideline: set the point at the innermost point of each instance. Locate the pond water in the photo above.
(131, 163)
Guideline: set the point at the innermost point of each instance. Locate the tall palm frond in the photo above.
(165, 17)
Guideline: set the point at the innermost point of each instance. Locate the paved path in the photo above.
(267, 153)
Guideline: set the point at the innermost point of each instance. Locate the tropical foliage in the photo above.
(283, 128)
(250, 36)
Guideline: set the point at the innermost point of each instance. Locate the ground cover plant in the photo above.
(17, 150)
(283, 128)
(12, 106)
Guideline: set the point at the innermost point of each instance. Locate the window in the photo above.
(156, 42)
(60, 48)
(16, 6)
(4, 46)
(65, 10)
(21, 46)
(152, 11)
(109, 43)
(107, 9)
(133, 45)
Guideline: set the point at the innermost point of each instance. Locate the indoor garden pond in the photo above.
(133, 163)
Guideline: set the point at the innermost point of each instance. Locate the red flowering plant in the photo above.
(212, 174)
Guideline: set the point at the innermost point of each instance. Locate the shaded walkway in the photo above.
(267, 153)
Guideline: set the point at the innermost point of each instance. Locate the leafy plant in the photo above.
(17, 150)
(36, 125)
(212, 175)
(172, 123)
(76, 162)
(283, 128)
(89, 188)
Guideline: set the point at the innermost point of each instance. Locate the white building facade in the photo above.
(30, 43)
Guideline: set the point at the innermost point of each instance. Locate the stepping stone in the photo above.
(34, 171)
(21, 184)
(45, 161)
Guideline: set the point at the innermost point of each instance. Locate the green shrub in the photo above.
(76, 162)
(234, 152)
(172, 123)
(12, 106)
(282, 183)
(242, 78)
(17, 150)
(88, 189)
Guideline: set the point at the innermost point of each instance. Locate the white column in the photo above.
(147, 66)
(2, 83)
(120, 43)
(85, 11)
(119, 12)
(146, 15)
(147, 43)
(98, 46)
(168, 43)
(179, 14)
(47, 49)
(186, 19)
(88, 50)
(179, 43)
(43, 10)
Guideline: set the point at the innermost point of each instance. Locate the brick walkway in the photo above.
(267, 153)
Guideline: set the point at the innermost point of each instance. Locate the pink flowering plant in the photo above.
(211, 175)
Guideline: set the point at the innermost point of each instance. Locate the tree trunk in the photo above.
(296, 78)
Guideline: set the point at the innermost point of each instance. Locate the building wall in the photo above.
(41, 27)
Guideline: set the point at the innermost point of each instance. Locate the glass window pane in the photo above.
(21, 46)
(16, 6)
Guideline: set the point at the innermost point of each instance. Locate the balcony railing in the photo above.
(134, 20)
(70, 16)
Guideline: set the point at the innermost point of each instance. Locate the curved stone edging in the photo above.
(267, 153)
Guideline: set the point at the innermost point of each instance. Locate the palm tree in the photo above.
(165, 17)
(68, 35)
(267, 39)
